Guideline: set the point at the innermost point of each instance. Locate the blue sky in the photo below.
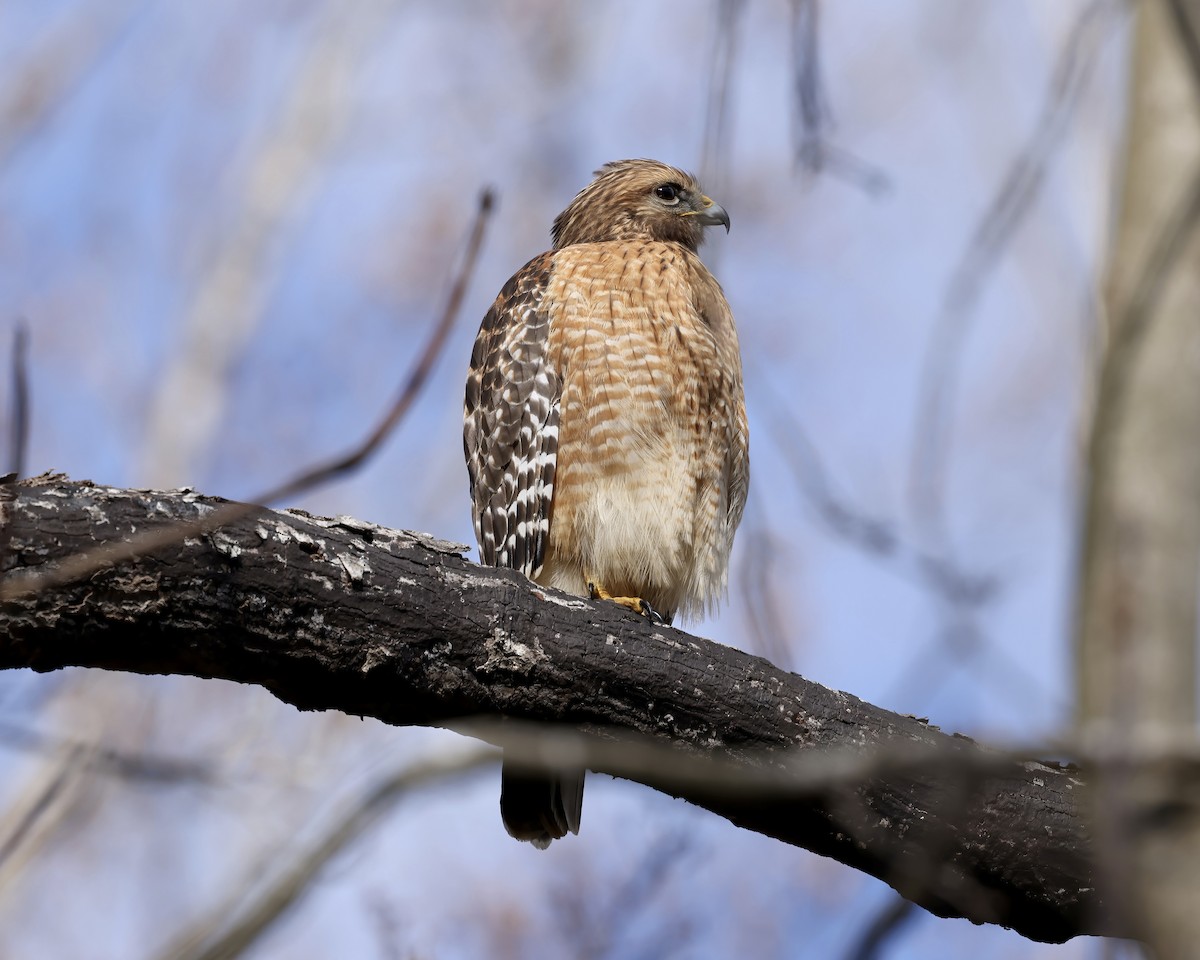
(228, 233)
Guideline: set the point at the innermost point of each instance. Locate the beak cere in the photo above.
(712, 214)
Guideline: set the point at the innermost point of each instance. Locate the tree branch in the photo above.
(345, 615)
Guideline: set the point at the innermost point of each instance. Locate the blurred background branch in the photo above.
(52, 73)
(251, 908)
(813, 151)
(86, 562)
(278, 173)
(18, 407)
(984, 255)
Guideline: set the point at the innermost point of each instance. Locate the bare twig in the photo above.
(958, 587)
(419, 374)
(775, 774)
(144, 768)
(960, 645)
(769, 631)
(1129, 332)
(812, 118)
(596, 918)
(1187, 28)
(387, 927)
(89, 562)
(885, 925)
(961, 591)
(1000, 220)
(18, 420)
(716, 114)
(58, 70)
(244, 916)
(47, 800)
(18, 428)
(812, 107)
(283, 164)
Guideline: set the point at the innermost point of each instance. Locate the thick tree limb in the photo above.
(344, 615)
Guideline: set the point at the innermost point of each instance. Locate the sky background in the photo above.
(228, 229)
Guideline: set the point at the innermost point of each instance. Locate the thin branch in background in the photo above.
(675, 933)
(28, 815)
(18, 428)
(1187, 28)
(61, 795)
(870, 534)
(963, 593)
(928, 669)
(57, 71)
(1006, 212)
(1129, 332)
(768, 775)
(812, 120)
(1110, 948)
(284, 163)
(960, 588)
(417, 377)
(18, 420)
(884, 927)
(62, 792)
(26, 695)
(962, 645)
(595, 917)
(247, 913)
(715, 151)
(143, 768)
(388, 927)
(89, 562)
(665, 855)
(812, 106)
(769, 633)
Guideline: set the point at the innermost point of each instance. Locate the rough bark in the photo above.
(344, 615)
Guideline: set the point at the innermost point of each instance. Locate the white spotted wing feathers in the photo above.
(510, 431)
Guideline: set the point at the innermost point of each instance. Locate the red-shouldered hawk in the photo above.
(604, 426)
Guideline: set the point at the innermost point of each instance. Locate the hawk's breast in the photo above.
(651, 413)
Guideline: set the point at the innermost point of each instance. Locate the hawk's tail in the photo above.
(539, 805)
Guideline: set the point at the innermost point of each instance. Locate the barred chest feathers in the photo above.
(652, 426)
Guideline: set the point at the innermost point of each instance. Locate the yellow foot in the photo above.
(636, 604)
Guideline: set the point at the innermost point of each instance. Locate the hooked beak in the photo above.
(711, 214)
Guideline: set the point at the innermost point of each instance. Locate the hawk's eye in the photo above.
(668, 192)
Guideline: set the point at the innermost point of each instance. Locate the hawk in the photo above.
(604, 425)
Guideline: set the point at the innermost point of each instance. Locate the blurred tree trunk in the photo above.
(1136, 636)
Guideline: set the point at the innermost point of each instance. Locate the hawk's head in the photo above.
(638, 200)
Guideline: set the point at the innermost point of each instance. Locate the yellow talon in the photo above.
(636, 604)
